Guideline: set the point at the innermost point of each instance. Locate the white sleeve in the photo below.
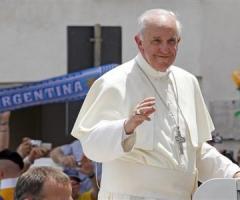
(107, 141)
(212, 164)
(100, 123)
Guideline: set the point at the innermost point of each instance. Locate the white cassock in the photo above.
(148, 164)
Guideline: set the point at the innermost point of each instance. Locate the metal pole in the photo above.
(238, 188)
(97, 44)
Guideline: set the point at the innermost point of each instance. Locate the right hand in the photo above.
(25, 147)
(37, 152)
(142, 112)
(87, 166)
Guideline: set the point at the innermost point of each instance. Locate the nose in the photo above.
(164, 48)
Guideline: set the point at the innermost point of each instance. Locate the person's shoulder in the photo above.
(120, 70)
(178, 71)
(117, 74)
(111, 80)
(76, 142)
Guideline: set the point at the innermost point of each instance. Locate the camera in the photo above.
(36, 143)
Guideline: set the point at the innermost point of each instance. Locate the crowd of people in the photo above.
(140, 137)
(21, 173)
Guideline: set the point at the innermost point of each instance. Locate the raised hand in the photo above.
(142, 112)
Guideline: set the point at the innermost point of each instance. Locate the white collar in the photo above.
(149, 69)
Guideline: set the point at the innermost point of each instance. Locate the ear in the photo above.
(139, 43)
(179, 39)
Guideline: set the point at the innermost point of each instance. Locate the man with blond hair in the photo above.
(39, 183)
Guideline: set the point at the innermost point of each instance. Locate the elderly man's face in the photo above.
(159, 43)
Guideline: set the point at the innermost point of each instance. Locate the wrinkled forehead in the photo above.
(160, 22)
(161, 31)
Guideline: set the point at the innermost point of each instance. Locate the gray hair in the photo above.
(30, 184)
(144, 19)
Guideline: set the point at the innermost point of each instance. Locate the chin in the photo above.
(161, 65)
(161, 68)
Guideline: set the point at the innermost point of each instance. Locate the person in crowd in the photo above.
(4, 130)
(25, 147)
(30, 152)
(43, 183)
(147, 122)
(70, 157)
(238, 157)
(229, 155)
(11, 165)
(88, 169)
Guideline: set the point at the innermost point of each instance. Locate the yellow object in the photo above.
(7, 194)
(85, 196)
(236, 78)
(7, 187)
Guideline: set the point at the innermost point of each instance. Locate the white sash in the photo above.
(119, 177)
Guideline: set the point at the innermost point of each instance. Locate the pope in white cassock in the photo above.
(147, 122)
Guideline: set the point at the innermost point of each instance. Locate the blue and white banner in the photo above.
(70, 87)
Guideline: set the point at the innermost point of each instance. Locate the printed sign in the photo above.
(70, 87)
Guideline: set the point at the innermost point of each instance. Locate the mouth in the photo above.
(162, 56)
